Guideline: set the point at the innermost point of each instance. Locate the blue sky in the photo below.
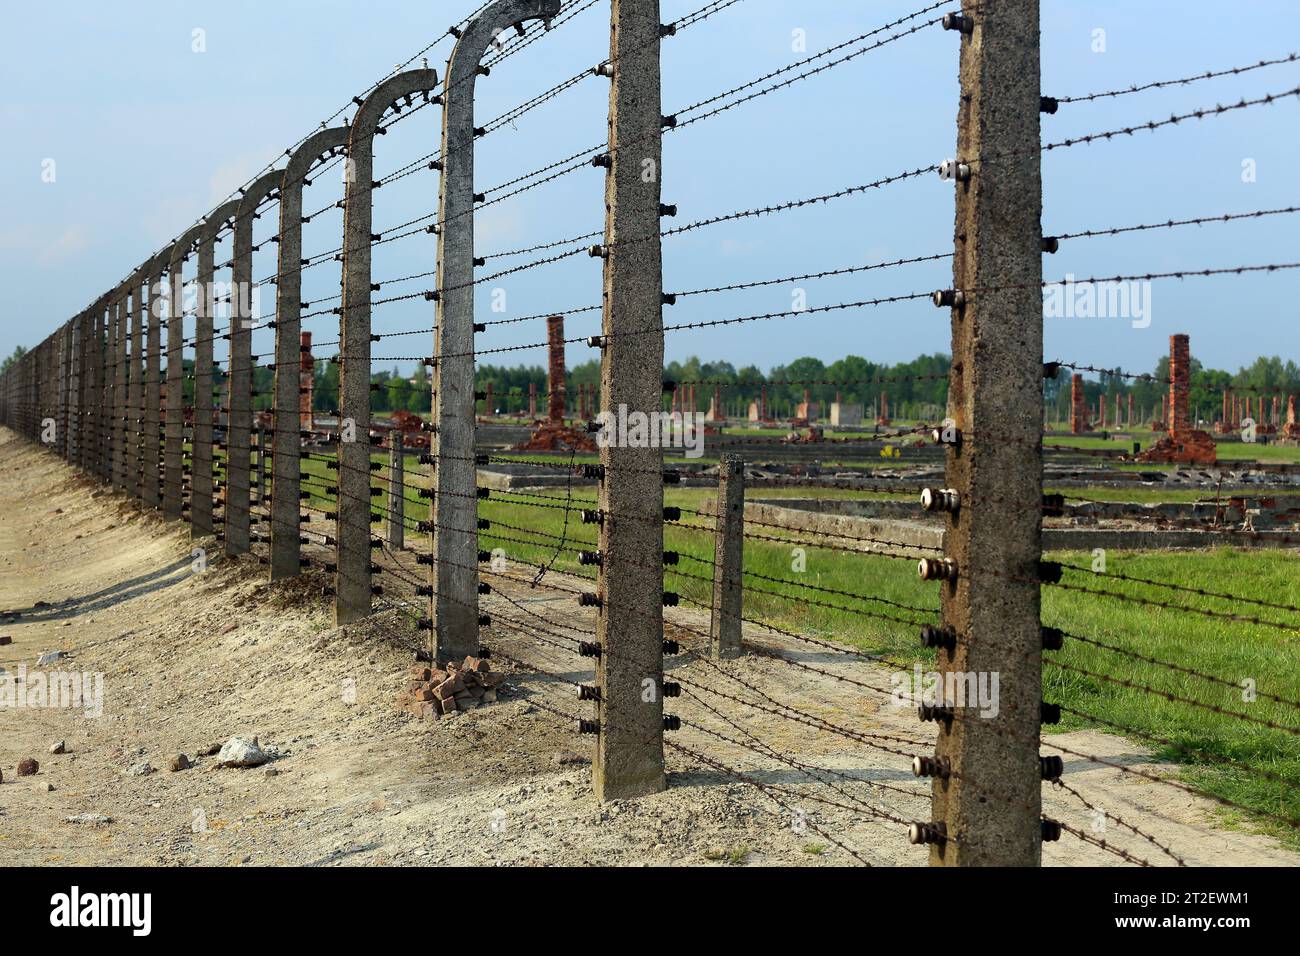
(146, 135)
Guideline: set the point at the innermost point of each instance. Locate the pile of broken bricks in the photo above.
(434, 691)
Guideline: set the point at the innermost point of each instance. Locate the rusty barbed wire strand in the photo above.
(1184, 81)
(1186, 589)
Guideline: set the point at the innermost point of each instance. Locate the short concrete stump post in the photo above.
(728, 560)
(396, 493)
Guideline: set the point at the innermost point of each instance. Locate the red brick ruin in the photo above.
(883, 417)
(1263, 424)
(1078, 406)
(806, 412)
(556, 392)
(1182, 444)
(1223, 425)
(1291, 430)
(553, 434)
(716, 412)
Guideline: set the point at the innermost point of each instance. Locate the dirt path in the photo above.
(190, 659)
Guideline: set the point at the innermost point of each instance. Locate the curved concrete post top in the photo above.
(462, 65)
(305, 156)
(153, 273)
(373, 107)
(256, 192)
(219, 217)
(159, 263)
(183, 246)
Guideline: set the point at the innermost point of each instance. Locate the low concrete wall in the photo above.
(914, 537)
(869, 535)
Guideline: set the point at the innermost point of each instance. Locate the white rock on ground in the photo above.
(241, 752)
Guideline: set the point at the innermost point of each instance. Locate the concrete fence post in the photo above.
(50, 391)
(353, 589)
(79, 417)
(728, 560)
(36, 382)
(153, 486)
(36, 407)
(629, 758)
(202, 503)
(98, 384)
(135, 385)
(71, 389)
(990, 803)
(242, 322)
(65, 387)
(259, 471)
(286, 462)
(62, 356)
(120, 363)
(77, 395)
(396, 492)
(454, 512)
(174, 442)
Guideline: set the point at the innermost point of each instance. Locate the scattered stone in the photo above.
(5, 639)
(178, 763)
(40, 605)
(28, 767)
(208, 751)
(241, 752)
(49, 657)
(59, 748)
(272, 772)
(142, 769)
(49, 788)
(567, 758)
(92, 819)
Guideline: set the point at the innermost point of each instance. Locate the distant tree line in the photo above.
(920, 384)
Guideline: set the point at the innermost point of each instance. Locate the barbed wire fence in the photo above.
(661, 600)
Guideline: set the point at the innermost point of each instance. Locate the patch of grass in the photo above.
(732, 856)
(814, 849)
